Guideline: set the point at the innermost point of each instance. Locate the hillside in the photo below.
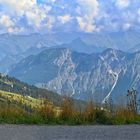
(13, 87)
(17, 99)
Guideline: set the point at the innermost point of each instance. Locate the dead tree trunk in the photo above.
(132, 101)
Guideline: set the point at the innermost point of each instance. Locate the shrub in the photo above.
(101, 117)
(124, 116)
(47, 112)
(90, 112)
(67, 111)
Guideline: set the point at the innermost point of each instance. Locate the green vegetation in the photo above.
(18, 109)
(13, 85)
(24, 104)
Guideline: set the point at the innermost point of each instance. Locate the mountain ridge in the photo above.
(17, 47)
(81, 75)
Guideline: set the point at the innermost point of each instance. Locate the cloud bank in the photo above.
(25, 16)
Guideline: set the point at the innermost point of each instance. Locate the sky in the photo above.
(42, 16)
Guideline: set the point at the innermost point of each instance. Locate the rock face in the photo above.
(80, 75)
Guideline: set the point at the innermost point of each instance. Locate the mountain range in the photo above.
(122, 40)
(80, 65)
(80, 75)
(14, 48)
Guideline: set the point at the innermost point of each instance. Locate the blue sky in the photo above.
(28, 16)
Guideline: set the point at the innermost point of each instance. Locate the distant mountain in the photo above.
(17, 44)
(14, 48)
(135, 48)
(122, 40)
(78, 45)
(80, 75)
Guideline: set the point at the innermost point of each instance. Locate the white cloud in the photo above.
(90, 7)
(64, 19)
(126, 26)
(122, 3)
(50, 22)
(18, 6)
(87, 10)
(6, 21)
(9, 25)
(15, 30)
(35, 13)
(85, 26)
(86, 15)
